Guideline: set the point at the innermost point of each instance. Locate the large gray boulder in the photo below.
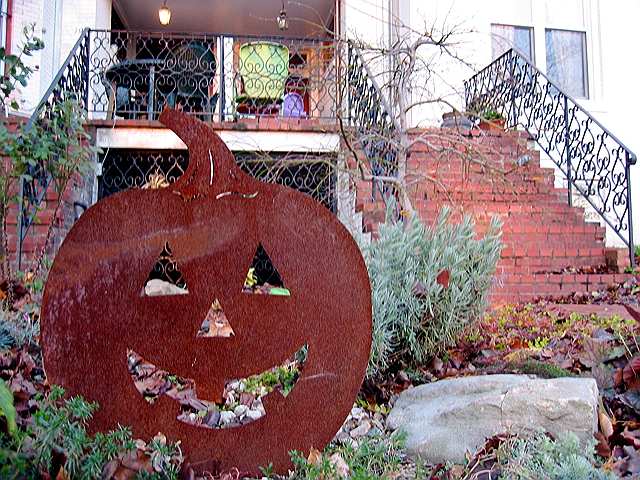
(445, 419)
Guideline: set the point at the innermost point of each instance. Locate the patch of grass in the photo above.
(541, 369)
(375, 457)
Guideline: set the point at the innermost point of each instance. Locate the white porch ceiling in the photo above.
(306, 18)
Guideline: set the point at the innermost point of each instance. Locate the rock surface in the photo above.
(157, 287)
(445, 419)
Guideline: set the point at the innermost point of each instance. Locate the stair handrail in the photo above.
(371, 116)
(594, 161)
(72, 80)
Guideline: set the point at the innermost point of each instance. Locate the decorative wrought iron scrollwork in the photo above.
(71, 82)
(595, 163)
(314, 175)
(371, 116)
(134, 74)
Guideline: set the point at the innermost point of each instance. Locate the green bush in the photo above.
(542, 458)
(374, 457)
(59, 431)
(414, 316)
(57, 441)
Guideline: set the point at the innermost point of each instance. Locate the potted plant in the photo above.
(457, 120)
(491, 120)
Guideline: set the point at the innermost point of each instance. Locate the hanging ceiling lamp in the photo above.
(164, 14)
(283, 22)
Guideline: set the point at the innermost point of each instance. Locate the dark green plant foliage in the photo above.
(18, 328)
(16, 71)
(56, 141)
(7, 408)
(376, 457)
(491, 115)
(59, 432)
(541, 369)
(412, 326)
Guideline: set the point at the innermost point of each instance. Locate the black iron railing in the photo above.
(133, 75)
(595, 163)
(312, 174)
(70, 83)
(371, 117)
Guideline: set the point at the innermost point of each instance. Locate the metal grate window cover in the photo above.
(313, 174)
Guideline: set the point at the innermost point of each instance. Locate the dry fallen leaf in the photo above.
(602, 447)
(315, 457)
(443, 278)
(606, 426)
(62, 474)
(631, 373)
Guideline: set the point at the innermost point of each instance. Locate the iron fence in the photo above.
(134, 74)
(121, 74)
(595, 163)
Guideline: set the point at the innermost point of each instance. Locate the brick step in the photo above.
(535, 198)
(502, 168)
(536, 228)
(504, 209)
(566, 237)
(544, 263)
(548, 219)
(454, 177)
(516, 288)
(554, 242)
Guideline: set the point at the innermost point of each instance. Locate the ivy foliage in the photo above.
(53, 144)
(416, 313)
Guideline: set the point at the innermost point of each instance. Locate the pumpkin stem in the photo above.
(209, 157)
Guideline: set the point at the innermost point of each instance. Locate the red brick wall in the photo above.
(542, 234)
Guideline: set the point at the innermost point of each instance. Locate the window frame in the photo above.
(585, 60)
(532, 42)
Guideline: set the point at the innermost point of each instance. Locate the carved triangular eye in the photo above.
(165, 277)
(215, 323)
(263, 277)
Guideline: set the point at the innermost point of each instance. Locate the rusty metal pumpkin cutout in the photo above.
(210, 222)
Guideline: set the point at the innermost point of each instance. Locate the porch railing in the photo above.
(134, 74)
(71, 82)
(595, 163)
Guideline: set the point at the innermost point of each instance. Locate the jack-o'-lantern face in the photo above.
(246, 278)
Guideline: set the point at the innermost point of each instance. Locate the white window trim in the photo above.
(532, 33)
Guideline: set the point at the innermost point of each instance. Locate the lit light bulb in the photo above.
(283, 22)
(164, 14)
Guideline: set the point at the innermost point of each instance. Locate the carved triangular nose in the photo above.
(215, 324)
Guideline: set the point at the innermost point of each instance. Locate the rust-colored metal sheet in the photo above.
(213, 217)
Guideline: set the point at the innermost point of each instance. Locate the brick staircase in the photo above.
(542, 234)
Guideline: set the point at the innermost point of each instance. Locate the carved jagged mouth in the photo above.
(242, 398)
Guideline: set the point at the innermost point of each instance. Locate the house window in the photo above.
(567, 61)
(3, 23)
(504, 37)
